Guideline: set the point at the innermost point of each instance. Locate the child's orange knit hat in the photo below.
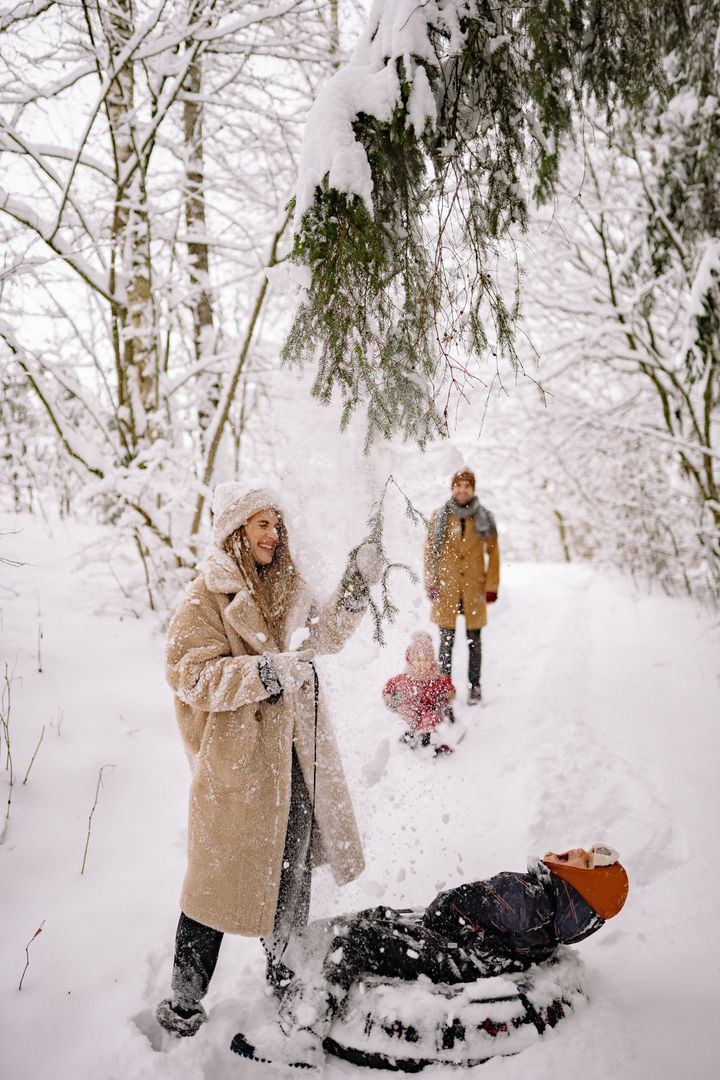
(604, 888)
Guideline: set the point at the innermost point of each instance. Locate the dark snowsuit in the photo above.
(480, 929)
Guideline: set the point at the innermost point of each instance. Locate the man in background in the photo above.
(462, 573)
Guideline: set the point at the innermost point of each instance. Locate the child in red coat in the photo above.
(421, 695)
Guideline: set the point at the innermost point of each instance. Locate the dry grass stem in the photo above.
(32, 759)
(27, 952)
(90, 818)
(5, 707)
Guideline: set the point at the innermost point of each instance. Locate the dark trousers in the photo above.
(396, 944)
(447, 640)
(197, 946)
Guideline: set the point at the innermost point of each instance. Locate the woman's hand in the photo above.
(364, 568)
(293, 669)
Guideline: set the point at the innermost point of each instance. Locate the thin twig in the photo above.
(97, 794)
(386, 610)
(5, 706)
(27, 952)
(40, 633)
(34, 755)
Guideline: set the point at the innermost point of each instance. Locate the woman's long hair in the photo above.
(274, 587)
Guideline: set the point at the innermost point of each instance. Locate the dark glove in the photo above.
(433, 593)
(490, 597)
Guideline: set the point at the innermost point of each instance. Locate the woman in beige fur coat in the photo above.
(268, 798)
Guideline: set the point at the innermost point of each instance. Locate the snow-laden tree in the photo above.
(147, 156)
(619, 442)
(420, 158)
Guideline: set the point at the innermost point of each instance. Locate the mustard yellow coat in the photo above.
(467, 567)
(240, 748)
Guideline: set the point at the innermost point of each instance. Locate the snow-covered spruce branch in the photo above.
(422, 144)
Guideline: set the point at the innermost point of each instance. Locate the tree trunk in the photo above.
(135, 329)
(200, 299)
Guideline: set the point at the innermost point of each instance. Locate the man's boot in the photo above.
(475, 695)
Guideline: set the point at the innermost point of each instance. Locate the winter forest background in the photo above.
(150, 154)
(324, 243)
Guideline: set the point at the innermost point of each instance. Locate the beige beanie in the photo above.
(234, 503)
(420, 662)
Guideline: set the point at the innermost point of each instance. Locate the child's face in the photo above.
(574, 857)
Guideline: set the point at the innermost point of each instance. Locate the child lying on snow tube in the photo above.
(421, 696)
(477, 930)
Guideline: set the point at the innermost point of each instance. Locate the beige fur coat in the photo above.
(240, 747)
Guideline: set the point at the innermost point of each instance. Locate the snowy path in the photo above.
(600, 721)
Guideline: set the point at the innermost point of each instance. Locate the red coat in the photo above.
(422, 703)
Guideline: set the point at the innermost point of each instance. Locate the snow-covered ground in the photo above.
(601, 722)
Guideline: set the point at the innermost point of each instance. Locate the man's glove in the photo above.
(369, 562)
(433, 593)
(292, 669)
(490, 597)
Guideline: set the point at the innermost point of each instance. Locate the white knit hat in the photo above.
(602, 855)
(234, 503)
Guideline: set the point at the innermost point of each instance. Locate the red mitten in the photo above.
(490, 597)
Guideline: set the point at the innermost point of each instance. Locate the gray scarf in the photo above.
(484, 521)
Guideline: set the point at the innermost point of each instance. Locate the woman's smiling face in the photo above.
(261, 531)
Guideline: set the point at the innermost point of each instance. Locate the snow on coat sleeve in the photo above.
(331, 627)
(200, 666)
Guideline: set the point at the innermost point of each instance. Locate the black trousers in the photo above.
(447, 640)
(395, 944)
(197, 946)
